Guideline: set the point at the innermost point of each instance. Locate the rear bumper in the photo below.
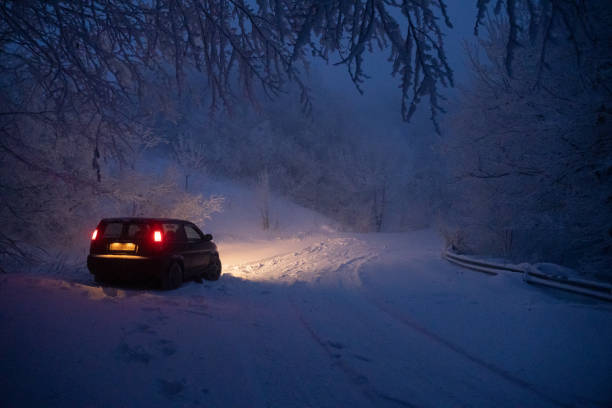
(126, 268)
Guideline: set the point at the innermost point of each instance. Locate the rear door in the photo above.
(176, 243)
(120, 237)
(115, 239)
(139, 234)
(199, 248)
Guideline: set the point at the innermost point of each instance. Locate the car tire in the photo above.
(173, 277)
(213, 271)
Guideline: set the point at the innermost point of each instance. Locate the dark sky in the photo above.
(381, 99)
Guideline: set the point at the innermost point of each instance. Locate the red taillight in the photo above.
(157, 236)
(94, 235)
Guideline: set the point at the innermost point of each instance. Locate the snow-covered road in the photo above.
(328, 321)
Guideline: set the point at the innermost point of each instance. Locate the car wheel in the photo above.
(213, 272)
(173, 277)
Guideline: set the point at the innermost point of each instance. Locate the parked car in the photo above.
(166, 251)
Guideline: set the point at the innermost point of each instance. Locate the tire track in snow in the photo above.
(357, 379)
(344, 268)
(306, 264)
(339, 262)
(500, 372)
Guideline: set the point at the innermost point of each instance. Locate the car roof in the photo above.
(144, 220)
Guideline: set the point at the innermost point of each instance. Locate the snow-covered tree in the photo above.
(263, 198)
(190, 154)
(107, 48)
(530, 150)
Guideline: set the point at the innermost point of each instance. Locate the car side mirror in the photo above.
(207, 237)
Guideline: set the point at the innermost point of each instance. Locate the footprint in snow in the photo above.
(144, 328)
(196, 312)
(167, 347)
(197, 300)
(360, 379)
(160, 317)
(131, 354)
(336, 344)
(170, 389)
(362, 358)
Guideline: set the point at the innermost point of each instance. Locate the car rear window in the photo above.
(137, 230)
(113, 230)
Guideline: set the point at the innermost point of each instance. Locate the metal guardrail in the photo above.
(490, 268)
(531, 275)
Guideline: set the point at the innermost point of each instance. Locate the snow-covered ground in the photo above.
(338, 320)
(304, 317)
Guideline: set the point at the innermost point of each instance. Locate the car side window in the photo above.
(173, 232)
(192, 233)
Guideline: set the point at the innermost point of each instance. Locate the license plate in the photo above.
(122, 246)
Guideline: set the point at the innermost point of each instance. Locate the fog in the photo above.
(511, 160)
